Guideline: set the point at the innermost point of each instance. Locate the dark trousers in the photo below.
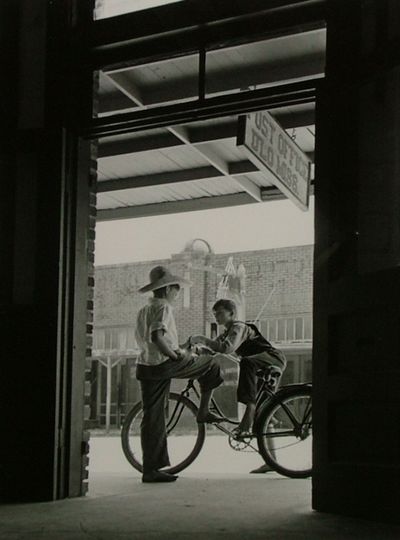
(155, 383)
(247, 385)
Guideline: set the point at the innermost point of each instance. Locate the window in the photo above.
(272, 330)
(290, 330)
(287, 329)
(307, 328)
(299, 328)
(118, 338)
(282, 329)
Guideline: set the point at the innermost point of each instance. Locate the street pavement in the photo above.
(216, 457)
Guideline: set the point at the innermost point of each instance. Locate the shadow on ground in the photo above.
(197, 506)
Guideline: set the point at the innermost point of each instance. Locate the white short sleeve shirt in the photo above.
(156, 315)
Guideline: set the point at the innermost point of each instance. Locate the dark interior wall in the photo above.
(13, 335)
(8, 93)
(356, 372)
(29, 390)
(44, 241)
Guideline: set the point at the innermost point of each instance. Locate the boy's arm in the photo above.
(185, 345)
(226, 345)
(203, 340)
(157, 337)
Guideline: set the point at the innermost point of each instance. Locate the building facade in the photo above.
(277, 295)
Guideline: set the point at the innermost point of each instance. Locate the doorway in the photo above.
(198, 166)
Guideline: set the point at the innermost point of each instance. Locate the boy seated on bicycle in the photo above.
(249, 346)
(162, 359)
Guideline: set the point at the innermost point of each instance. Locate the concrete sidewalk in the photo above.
(215, 498)
(197, 506)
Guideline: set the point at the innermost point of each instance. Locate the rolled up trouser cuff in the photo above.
(211, 378)
(207, 387)
(247, 386)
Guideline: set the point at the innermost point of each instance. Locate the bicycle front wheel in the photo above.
(284, 432)
(185, 437)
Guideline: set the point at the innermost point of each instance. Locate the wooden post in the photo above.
(119, 393)
(98, 393)
(108, 394)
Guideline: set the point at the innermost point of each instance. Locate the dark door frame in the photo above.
(191, 27)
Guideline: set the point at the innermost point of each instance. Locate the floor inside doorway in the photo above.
(200, 505)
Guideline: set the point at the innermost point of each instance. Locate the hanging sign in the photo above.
(271, 149)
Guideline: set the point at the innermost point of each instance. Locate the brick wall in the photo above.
(285, 271)
(90, 287)
(289, 270)
(116, 298)
(91, 276)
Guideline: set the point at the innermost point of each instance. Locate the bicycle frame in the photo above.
(265, 393)
(268, 402)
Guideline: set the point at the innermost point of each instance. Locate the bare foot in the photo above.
(209, 418)
(244, 426)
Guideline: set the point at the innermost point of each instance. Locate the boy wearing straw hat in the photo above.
(161, 360)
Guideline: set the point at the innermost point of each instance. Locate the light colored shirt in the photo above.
(230, 340)
(156, 315)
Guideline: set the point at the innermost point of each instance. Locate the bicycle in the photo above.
(282, 427)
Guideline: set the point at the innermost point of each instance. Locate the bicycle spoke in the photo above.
(307, 412)
(285, 446)
(185, 436)
(290, 415)
(285, 438)
(175, 417)
(273, 435)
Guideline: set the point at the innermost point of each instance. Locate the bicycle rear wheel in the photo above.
(185, 437)
(284, 432)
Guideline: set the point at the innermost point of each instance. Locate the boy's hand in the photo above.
(202, 349)
(183, 354)
(185, 345)
(186, 354)
(199, 339)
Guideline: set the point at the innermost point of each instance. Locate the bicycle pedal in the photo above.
(244, 438)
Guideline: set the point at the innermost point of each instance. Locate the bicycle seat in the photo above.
(269, 372)
(270, 377)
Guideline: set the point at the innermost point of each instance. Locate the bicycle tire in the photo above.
(133, 454)
(278, 412)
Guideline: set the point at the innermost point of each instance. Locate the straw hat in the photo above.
(160, 277)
